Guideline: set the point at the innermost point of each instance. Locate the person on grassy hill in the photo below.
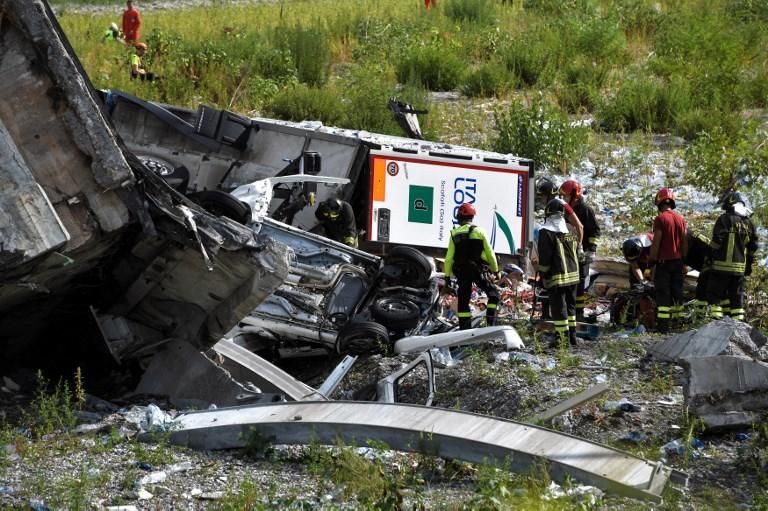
(670, 243)
(137, 63)
(471, 260)
(734, 243)
(558, 268)
(571, 192)
(430, 3)
(113, 34)
(131, 23)
(338, 220)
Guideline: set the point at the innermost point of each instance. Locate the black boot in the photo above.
(572, 337)
(465, 323)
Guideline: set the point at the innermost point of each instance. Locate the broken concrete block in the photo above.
(715, 421)
(720, 337)
(191, 380)
(720, 385)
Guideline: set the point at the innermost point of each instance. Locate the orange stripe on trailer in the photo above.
(379, 184)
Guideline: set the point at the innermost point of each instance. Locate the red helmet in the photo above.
(571, 189)
(466, 210)
(663, 195)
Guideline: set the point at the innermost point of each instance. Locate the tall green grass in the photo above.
(679, 66)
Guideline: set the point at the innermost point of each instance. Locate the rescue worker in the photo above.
(338, 220)
(637, 252)
(113, 34)
(734, 243)
(571, 193)
(131, 23)
(470, 259)
(669, 245)
(137, 63)
(547, 190)
(559, 270)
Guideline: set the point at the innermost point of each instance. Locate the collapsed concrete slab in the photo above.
(721, 337)
(93, 245)
(726, 391)
(434, 431)
(190, 380)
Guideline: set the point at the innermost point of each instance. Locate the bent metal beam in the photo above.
(445, 433)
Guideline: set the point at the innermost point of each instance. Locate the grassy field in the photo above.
(692, 68)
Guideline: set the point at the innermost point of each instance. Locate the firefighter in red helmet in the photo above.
(669, 246)
(570, 192)
(471, 260)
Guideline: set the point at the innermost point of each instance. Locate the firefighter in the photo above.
(471, 260)
(734, 243)
(547, 190)
(559, 269)
(571, 193)
(338, 220)
(637, 252)
(669, 245)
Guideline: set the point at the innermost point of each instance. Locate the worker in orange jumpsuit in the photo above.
(430, 3)
(131, 23)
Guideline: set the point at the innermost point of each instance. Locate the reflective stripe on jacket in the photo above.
(558, 259)
(469, 245)
(733, 241)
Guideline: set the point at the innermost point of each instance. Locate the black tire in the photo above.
(396, 313)
(220, 203)
(175, 175)
(363, 338)
(407, 266)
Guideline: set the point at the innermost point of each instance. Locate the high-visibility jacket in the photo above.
(588, 219)
(734, 241)
(558, 258)
(468, 246)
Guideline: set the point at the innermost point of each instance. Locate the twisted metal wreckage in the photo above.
(100, 231)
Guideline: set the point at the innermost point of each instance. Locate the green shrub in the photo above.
(540, 132)
(367, 90)
(309, 47)
(489, 79)
(719, 158)
(301, 102)
(431, 67)
(644, 104)
(473, 11)
(596, 37)
(55, 409)
(583, 80)
(528, 58)
(639, 17)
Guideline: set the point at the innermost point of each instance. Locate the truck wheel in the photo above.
(220, 203)
(176, 176)
(363, 338)
(408, 266)
(396, 313)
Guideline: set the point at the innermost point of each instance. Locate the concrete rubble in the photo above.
(726, 374)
